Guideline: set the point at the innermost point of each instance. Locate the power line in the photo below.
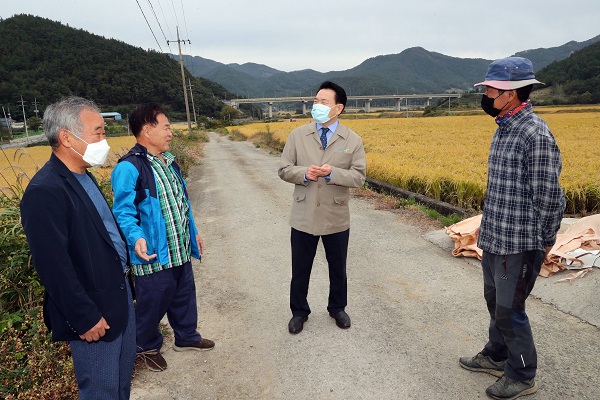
(184, 21)
(165, 18)
(175, 12)
(138, 3)
(158, 22)
(185, 47)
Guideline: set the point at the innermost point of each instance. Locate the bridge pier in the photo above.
(368, 105)
(270, 109)
(398, 105)
(304, 106)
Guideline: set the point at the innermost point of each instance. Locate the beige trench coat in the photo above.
(321, 207)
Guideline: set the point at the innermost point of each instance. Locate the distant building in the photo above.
(115, 115)
(6, 122)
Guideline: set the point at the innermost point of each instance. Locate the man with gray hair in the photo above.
(80, 254)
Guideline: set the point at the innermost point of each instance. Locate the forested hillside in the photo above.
(575, 79)
(45, 60)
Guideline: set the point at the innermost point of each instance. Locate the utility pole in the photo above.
(193, 106)
(8, 122)
(35, 109)
(5, 120)
(24, 119)
(187, 107)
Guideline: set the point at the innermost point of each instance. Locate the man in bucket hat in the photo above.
(522, 212)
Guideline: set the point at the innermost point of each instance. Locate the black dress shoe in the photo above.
(342, 319)
(296, 324)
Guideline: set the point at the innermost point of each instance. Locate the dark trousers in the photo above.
(304, 248)
(173, 292)
(508, 281)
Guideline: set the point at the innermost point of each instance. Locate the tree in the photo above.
(34, 123)
(228, 112)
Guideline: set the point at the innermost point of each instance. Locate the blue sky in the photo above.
(326, 35)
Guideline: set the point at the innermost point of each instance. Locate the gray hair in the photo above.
(65, 114)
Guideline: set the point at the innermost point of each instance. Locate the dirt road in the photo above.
(415, 309)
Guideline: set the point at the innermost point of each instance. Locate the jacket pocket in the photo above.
(299, 197)
(342, 200)
(342, 160)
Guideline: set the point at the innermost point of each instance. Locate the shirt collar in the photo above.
(505, 117)
(331, 127)
(169, 158)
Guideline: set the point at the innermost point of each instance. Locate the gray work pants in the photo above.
(507, 282)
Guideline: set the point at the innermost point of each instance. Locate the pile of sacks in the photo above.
(577, 248)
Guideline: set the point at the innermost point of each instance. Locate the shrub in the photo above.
(33, 367)
(237, 136)
(185, 149)
(268, 140)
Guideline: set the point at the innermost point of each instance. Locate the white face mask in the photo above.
(95, 153)
(320, 113)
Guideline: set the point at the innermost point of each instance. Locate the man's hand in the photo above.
(314, 172)
(141, 250)
(200, 244)
(96, 332)
(548, 248)
(325, 169)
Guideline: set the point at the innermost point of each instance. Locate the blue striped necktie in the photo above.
(324, 137)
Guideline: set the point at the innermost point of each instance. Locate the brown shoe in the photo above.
(204, 344)
(154, 361)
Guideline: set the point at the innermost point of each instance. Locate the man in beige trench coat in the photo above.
(323, 160)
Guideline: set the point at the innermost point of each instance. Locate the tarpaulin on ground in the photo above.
(464, 234)
(577, 248)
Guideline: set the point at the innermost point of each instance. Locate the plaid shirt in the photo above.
(175, 210)
(524, 203)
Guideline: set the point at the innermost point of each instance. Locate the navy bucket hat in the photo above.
(509, 73)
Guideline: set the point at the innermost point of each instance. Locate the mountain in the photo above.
(575, 79)
(543, 57)
(204, 67)
(44, 60)
(415, 70)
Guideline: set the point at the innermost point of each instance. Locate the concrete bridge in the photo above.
(398, 98)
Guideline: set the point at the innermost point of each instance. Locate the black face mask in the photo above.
(487, 105)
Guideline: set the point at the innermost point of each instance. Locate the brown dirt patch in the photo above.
(408, 214)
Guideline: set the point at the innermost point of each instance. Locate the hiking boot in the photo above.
(481, 363)
(507, 388)
(204, 344)
(154, 361)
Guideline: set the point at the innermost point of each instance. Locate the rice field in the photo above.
(445, 158)
(17, 166)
